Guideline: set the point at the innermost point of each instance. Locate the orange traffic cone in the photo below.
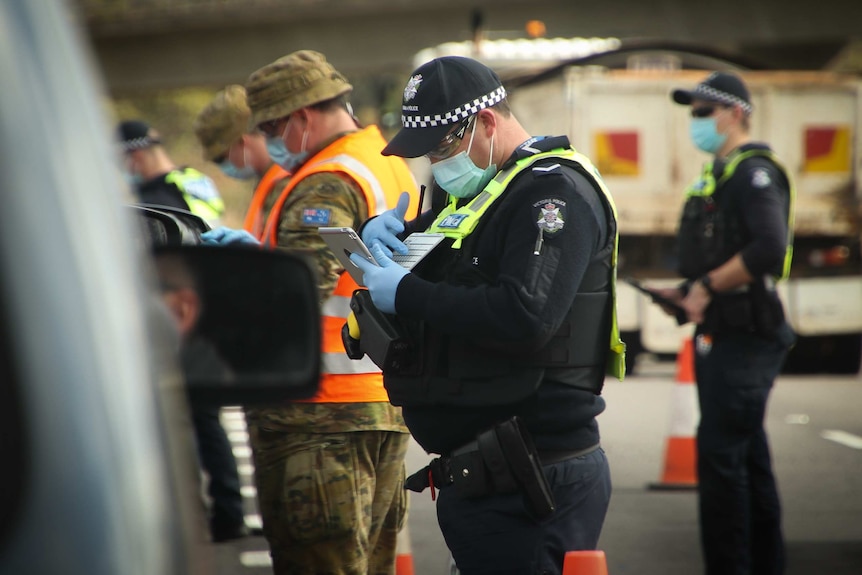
(680, 458)
(585, 563)
(403, 553)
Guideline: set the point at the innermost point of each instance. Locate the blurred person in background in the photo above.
(158, 181)
(240, 153)
(199, 358)
(735, 241)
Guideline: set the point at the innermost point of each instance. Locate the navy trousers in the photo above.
(740, 511)
(496, 535)
(216, 457)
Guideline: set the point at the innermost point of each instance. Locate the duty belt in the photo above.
(438, 473)
(491, 465)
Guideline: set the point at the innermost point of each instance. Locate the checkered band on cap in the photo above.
(136, 135)
(458, 114)
(710, 93)
(139, 144)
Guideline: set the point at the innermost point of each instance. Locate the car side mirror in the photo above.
(259, 314)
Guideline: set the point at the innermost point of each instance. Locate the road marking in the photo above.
(240, 437)
(249, 491)
(796, 419)
(254, 521)
(842, 437)
(255, 559)
(241, 451)
(233, 413)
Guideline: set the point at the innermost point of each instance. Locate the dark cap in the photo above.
(721, 87)
(137, 135)
(439, 95)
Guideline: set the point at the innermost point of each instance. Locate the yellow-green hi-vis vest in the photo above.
(706, 184)
(458, 223)
(199, 192)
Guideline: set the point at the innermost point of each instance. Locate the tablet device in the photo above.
(681, 316)
(343, 242)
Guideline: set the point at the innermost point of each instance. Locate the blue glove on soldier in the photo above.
(227, 236)
(382, 281)
(382, 229)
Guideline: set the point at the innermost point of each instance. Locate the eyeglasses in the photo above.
(450, 141)
(704, 111)
(270, 129)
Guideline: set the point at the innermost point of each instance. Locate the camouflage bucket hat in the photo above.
(222, 122)
(292, 82)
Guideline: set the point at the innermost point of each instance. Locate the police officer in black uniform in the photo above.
(157, 181)
(734, 243)
(505, 330)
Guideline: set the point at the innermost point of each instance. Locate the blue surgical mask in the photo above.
(459, 176)
(279, 153)
(705, 135)
(232, 171)
(132, 179)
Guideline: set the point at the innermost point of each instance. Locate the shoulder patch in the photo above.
(547, 170)
(760, 178)
(452, 221)
(550, 214)
(202, 188)
(316, 216)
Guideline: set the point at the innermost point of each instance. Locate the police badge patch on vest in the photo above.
(760, 178)
(703, 344)
(550, 215)
(452, 221)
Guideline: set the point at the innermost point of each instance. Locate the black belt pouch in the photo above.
(526, 467)
(469, 476)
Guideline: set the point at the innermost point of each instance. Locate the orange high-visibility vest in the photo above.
(254, 222)
(382, 179)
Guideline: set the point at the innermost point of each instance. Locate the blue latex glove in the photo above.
(381, 230)
(382, 281)
(226, 236)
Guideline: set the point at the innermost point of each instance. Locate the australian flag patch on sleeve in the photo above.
(316, 216)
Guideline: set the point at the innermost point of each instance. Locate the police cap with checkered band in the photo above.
(137, 135)
(720, 87)
(439, 95)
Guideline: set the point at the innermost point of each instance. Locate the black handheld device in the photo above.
(679, 313)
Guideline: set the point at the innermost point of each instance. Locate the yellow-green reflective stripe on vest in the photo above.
(206, 203)
(458, 223)
(706, 184)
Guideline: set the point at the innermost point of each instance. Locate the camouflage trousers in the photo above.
(331, 503)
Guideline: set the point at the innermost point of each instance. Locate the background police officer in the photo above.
(511, 316)
(734, 242)
(158, 181)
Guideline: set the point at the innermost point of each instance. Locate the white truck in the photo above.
(638, 138)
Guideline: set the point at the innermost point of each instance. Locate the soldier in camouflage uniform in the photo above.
(329, 471)
(222, 130)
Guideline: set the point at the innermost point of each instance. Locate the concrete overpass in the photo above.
(147, 44)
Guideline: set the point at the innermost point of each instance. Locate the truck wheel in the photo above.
(839, 354)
